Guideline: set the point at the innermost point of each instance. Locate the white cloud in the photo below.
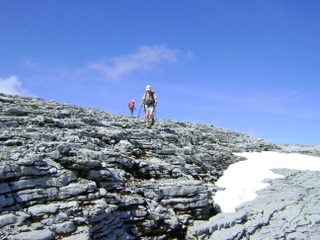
(12, 86)
(145, 59)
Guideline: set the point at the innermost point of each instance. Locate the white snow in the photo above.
(242, 179)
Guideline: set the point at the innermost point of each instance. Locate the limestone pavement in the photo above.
(70, 172)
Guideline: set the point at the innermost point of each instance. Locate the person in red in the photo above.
(131, 107)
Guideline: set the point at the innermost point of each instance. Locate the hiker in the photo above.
(131, 107)
(150, 101)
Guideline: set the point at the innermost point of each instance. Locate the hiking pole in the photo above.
(139, 111)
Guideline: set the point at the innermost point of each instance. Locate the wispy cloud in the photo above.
(264, 100)
(145, 59)
(293, 103)
(293, 96)
(13, 86)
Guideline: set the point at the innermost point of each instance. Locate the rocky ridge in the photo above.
(70, 172)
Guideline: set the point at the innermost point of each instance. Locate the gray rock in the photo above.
(44, 234)
(7, 219)
(287, 209)
(38, 210)
(82, 173)
(63, 228)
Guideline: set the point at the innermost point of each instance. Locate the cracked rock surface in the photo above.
(70, 172)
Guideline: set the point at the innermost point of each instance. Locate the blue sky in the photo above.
(245, 65)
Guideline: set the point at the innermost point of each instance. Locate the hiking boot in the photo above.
(152, 122)
(148, 122)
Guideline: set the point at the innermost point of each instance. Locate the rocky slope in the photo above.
(70, 172)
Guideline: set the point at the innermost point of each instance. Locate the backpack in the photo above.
(131, 105)
(149, 101)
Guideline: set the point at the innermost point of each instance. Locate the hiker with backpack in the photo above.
(150, 100)
(131, 107)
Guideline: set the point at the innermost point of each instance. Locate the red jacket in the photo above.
(131, 105)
